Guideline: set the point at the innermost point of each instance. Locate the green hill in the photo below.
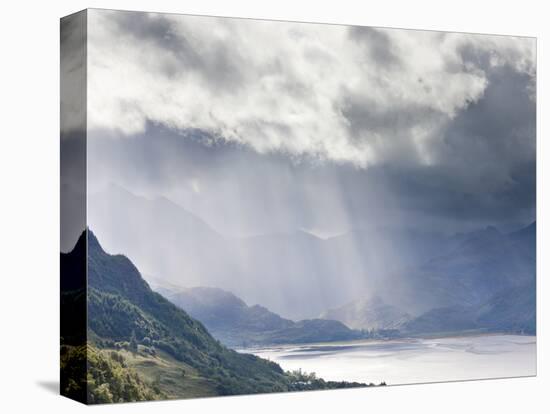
(167, 354)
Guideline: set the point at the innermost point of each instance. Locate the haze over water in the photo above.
(407, 361)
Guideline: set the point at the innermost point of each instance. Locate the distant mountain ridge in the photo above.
(413, 272)
(481, 265)
(235, 323)
(275, 270)
(370, 314)
(497, 273)
(512, 311)
(486, 276)
(158, 235)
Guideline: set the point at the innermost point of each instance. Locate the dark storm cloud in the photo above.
(72, 129)
(387, 130)
(483, 169)
(220, 66)
(487, 157)
(483, 172)
(241, 192)
(497, 131)
(232, 187)
(73, 72)
(378, 45)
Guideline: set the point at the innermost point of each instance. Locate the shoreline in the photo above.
(439, 335)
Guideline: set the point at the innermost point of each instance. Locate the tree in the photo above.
(133, 342)
(103, 394)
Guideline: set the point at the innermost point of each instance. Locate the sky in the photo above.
(426, 127)
(266, 127)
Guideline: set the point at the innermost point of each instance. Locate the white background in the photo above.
(29, 205)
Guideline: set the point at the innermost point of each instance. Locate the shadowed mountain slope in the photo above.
(134, 323)
(235, 323)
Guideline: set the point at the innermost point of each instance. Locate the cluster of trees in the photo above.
(145, 345)
(73, 372)
(116, 318)
(110, 380)
(380, 333)
(303, 381)
(107, 378)
(157, 324)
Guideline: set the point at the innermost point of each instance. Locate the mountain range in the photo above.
(484, 282)
(366, 279)
(236, 324)
(369, 314)
(276, 270)
(492, 290)
(482, 264)
(175, 245)
(512, 310)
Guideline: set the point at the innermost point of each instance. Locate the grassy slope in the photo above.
(108, 378)
(166, 372)
(122, 307)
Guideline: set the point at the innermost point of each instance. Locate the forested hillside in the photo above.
(141, 346)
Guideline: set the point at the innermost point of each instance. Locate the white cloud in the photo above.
(321, 91)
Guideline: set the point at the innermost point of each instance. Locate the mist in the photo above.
(274, 232)
(304, 176)
(296, 237)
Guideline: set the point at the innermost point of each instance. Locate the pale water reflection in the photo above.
(406, 361)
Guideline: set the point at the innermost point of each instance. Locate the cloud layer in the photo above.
(361, 96)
